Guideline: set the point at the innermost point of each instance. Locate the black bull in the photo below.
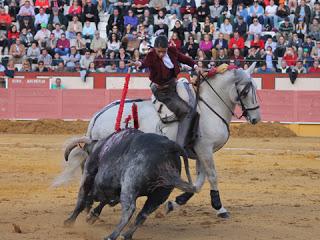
(125, 166)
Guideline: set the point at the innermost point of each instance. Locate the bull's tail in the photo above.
(183, 153)
(75, 157)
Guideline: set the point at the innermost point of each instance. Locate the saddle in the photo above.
(185, 91)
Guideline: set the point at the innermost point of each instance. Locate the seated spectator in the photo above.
(27, 24)
(270, 58)
(51, 44)
(111, 68)
(144, 48)
(236, 41)
(186, 22)
(60, 67)
(74, 10)
(114, 43)
(44, 4)
(85, 60)
(92, 68)
(132, 42)
(3, 42)
(240, 27)
(306, 58)
(26, 37)
(57, 31)
(27, 10)
(56, 60)
(26, 66)
(229, 11)
(206, 45)
(191, 47)
(90, 12)
(40, 18)
(13, 34)
(63, 45)
(315, 67)
(299, 67)
(269, 14)
(257, 42)
(188, 7)
(253, 56)
(33, 52)
(221, 58)
(296, 43)
(218, 44)
(286, 28)
(161, 23)
(309, 44)
(13, 10)
(111, 57)
(178, 28)
(131, 19)
(5, 20)
(256, 11)
(122, 55)
(79, 42)
(57, 17)
(17, 51)
(242, 12)
(174, 41)
(264, 69)
(56, 5)
(254, 28)
(303, 11)
(226, 28)
(203, 11)
(123, 5)
(42, 35)
(194, 29)
(208, 27)
(57, 84)
(142, 32)
(301, 28)
(280, 47)
(315, 28)
(147, 21)
(237, 58)
(41, 67)
(115, 20)
(88, 30)
(98, 42)
(315, 52)
(156, 5)
(136, 55)
(45, 57)
(100, 61)
(316, 10)
(284, 68)
(122, 68)
(283, 12)
(74, 27)
(139, 6)
(175, 7)
(72, 59)
(215, 11)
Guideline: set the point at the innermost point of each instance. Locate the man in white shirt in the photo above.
(254, 28)
(40, 18)
(269, 14)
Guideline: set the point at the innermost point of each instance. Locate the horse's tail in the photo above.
(75, 157)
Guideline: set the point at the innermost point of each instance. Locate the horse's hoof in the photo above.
(223, 215)
(126, 237)
(91, 218)
(68, 223)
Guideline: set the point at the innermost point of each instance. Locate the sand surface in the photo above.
(271, 186)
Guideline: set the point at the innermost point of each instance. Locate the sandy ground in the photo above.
(271, 189)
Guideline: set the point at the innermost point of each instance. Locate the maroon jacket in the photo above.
(159, 73)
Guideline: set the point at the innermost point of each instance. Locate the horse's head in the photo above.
(245, 94)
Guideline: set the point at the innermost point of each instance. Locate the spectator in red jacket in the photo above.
(236, 41)
(290, 57)
(139, 6)
(315, 67)
(13, 34)
(175, 41)
(257, 42)
(5, 19)
(63, 45)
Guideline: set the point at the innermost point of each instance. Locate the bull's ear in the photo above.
(251, 68)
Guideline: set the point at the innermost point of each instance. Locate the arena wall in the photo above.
(29, 96)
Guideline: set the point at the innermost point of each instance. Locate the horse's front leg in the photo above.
(207, 161)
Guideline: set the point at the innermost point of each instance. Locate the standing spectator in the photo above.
(98, 42)
(74, 27)
(254, 28)
(156, 5)
(236, 41)
(303, 11)
(139, 6)
(5, 20)
(175, 7)
(148, 21)
(17, 51)
(90, 12)
(215, 11)
(72, 59)
(315, 67)
(191, 47)
(241, 27)
(27, 10)
(115, 19)
(300, 68)
(203, 11)
(41, 67)
(40, 18)
(33, 52)
(131, 19)
(188, 7)
(256, 11)
(86, 60)
(269, 14)
(26, 37)
(45, 57)
(42, 35)
(63, 45)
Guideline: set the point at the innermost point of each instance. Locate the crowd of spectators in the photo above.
(104, 35)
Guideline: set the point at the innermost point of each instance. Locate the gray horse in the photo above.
(219, 96)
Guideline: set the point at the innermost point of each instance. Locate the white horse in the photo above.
(219, 96)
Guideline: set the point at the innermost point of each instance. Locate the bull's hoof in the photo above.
(126, 237)
(68, 223)
(91, 218)
(224, 215)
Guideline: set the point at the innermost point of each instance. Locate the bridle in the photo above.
(244, 92)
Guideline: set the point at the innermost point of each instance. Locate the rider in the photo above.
(163, 64)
